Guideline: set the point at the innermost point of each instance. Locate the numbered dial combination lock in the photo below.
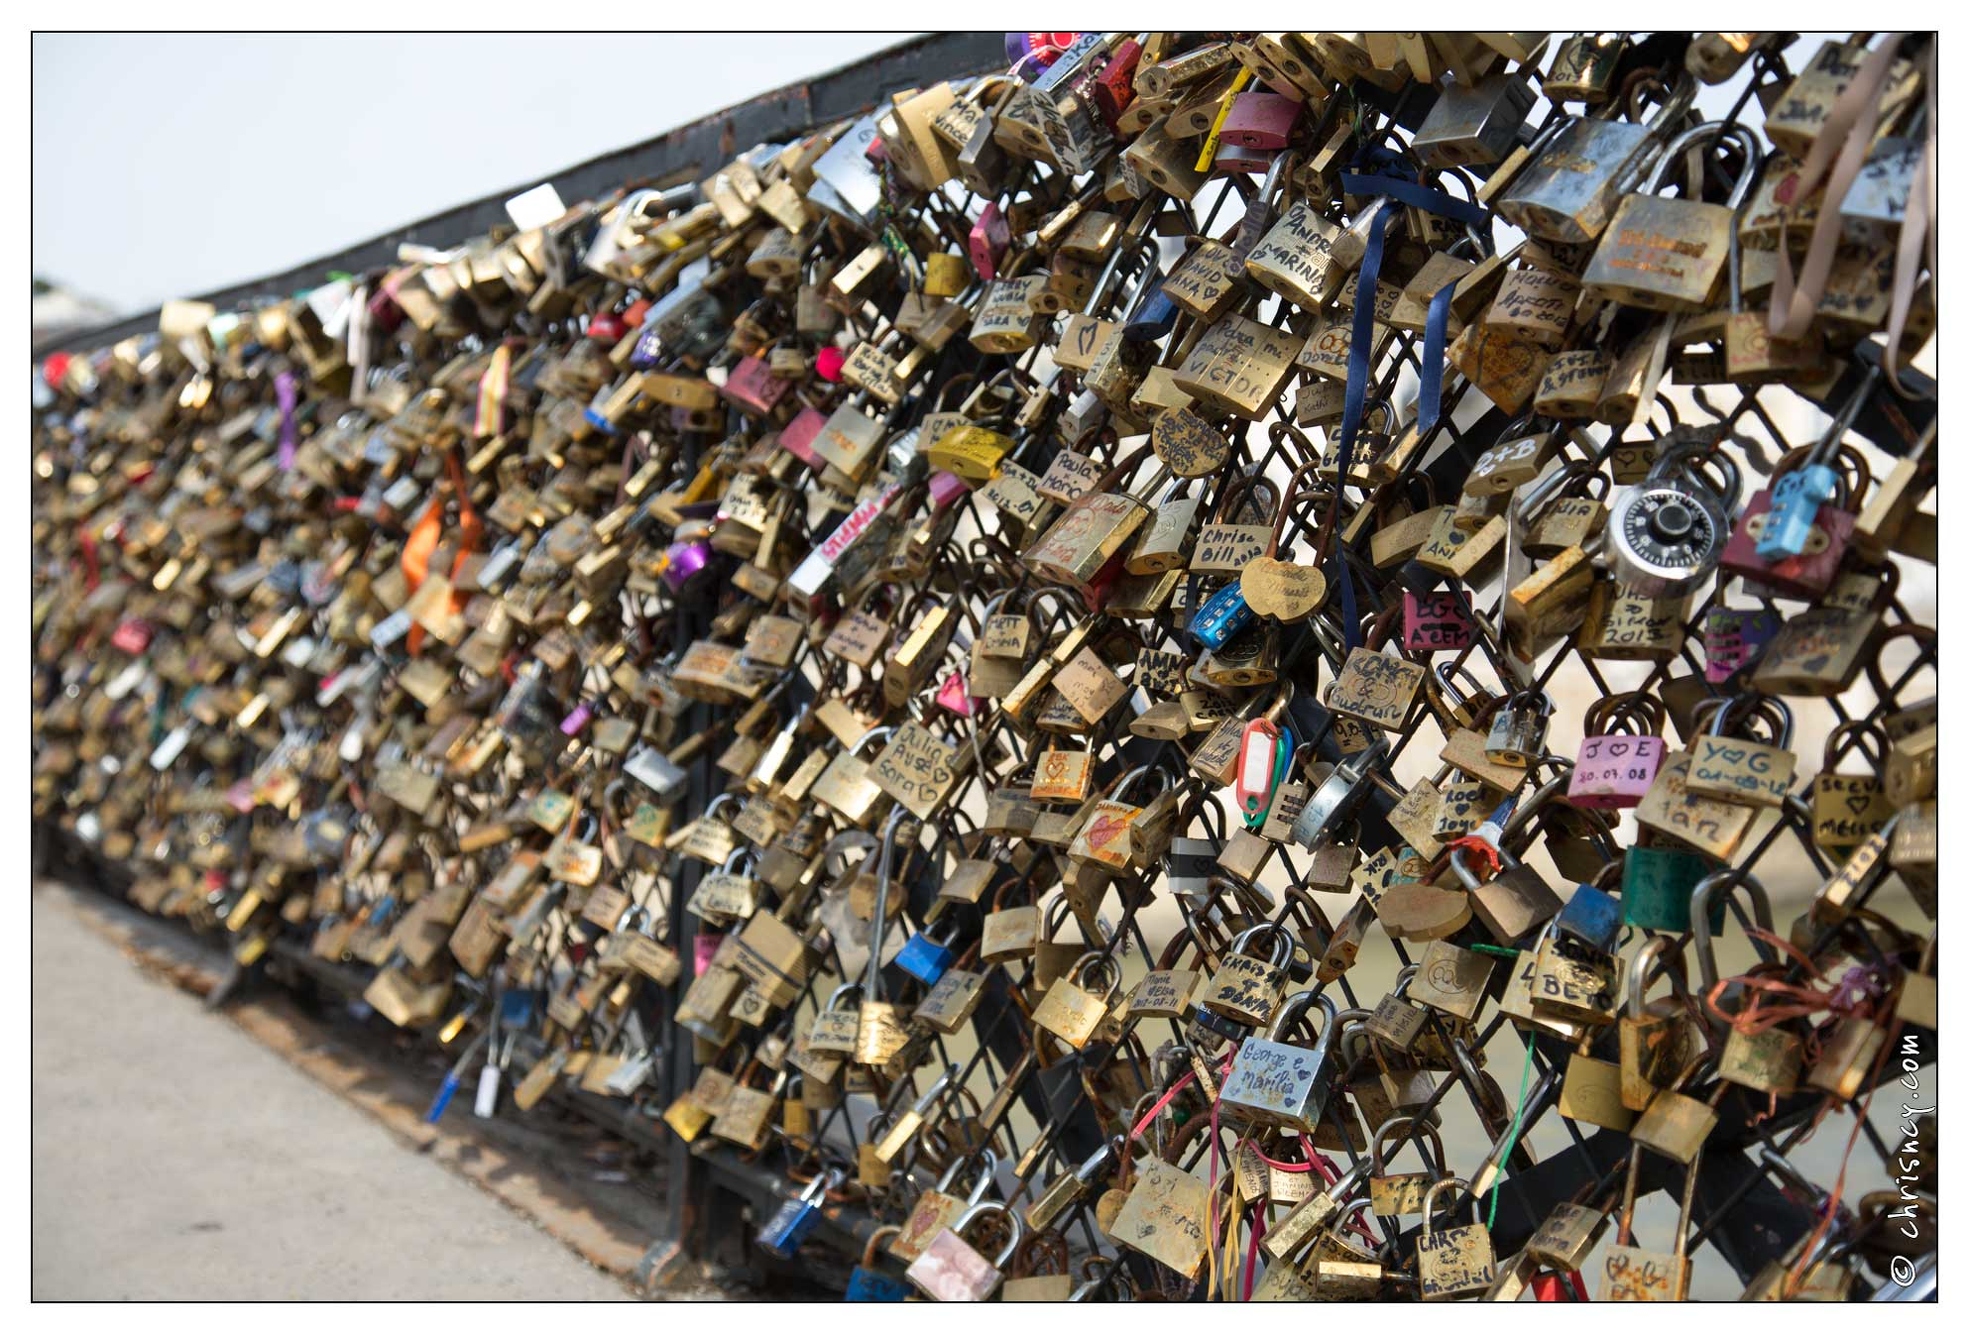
(1665, 535)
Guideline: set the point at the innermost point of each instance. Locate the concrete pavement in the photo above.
(175, 1157)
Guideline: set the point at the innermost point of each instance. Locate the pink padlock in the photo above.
(1260, 120)
(1434, 621)
(990, 235)
(703, 948)
(752, 388)
(953, 695)
(1622, 751)
(797, 436)
(946, 489)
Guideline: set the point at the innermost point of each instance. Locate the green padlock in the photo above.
(1655, 886)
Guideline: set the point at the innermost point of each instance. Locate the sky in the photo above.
(170, 164)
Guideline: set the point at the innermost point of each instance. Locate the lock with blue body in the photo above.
(795, 1219)
(1795, 501)
(1591, 918)
(926, 958)
(1154, 317)
(1221, 616)
(869, 1284)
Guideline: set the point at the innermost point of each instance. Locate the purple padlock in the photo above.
(682, 561)
(1260, 120)
(575, 721)
(1732, 637)
(1432, 621)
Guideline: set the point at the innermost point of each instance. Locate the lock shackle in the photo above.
(1429, 1201)
(1657, 954)
(1630, 709)
(1705, 135)
(828, 1179)
(1083, 969)
(987, 1164)
(738, 854)
(980, 1209)
(1769, 709)
(1858, 734)
(856, 748)
(1282, 946)
(1728, 880)
(1292, 1013)
(1302, 477)
(1417, 1126)
(840, 991)
(1924, 637)
(936, 1090)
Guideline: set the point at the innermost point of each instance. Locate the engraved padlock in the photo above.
(1517, 729)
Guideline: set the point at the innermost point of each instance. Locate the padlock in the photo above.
(794, 1221)
(1517, 730)
(1578, 168)
(1667, 534)
(1622, 750)
(926, 958)
(1455, 1261)
(1669, 254)
(1737, 769)
(1274, 1082)
(1069, 1010)
(1629, 1273)
(1244, 992)
(1394, 1194)
(936, 1209)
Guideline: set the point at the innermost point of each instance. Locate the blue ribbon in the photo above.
(1404, 189)
(1350, 420)
(1394, 180)
(1435, 341)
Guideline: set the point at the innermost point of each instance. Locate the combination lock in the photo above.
(1666, 534)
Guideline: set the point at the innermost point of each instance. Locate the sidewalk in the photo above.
(174, 1157)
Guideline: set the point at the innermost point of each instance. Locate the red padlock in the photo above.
(607, 327)
(1114, 86)
(1564, 1287)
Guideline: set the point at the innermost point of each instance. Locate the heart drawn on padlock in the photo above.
(1858, 802)
(1104, 830)
(1617, 748)
(1282, 590)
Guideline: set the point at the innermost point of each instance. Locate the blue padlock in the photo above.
(796, 1218)
(1591, 918)
(866, 1284)
(1221, 616)
(1795, 501)
(1154, 317)
(926, 958)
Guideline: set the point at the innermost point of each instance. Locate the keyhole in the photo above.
(1672, 522)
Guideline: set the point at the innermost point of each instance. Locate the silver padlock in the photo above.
(1274, 1082)
(1665, 535)
(1517, 730)
(1334, 802)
